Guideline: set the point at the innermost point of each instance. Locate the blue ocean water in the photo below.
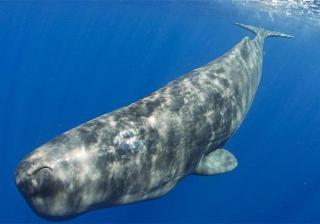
(65, 62)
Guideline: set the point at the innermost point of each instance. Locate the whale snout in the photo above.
(41, 184)
(32, 179)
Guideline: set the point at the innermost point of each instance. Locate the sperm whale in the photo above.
(143, 150)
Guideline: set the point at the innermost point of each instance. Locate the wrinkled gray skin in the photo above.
(142, 151)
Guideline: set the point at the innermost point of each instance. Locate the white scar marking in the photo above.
(112, 123)
(129, 140)
(218, 84)
(226, 93)
(209, 115)
(152, 121)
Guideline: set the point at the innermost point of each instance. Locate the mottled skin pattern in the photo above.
(143, 150)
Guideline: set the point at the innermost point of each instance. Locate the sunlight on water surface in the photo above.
(300, 9)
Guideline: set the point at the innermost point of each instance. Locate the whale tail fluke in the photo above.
(263, 32)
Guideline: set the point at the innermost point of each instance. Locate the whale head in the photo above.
(61, 178)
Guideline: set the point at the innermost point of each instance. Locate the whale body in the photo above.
(143, 150)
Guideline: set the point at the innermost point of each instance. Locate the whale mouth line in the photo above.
(41, 169)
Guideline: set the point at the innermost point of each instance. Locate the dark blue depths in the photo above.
(63, 63)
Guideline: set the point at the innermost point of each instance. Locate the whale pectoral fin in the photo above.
(216, 162)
